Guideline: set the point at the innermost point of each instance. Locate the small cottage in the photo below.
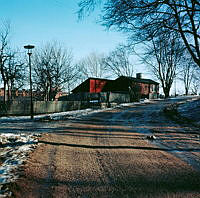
(128, 88)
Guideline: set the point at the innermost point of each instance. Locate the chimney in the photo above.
(139, 75)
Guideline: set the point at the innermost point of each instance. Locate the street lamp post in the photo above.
(29, 48)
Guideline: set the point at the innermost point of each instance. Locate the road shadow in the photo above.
(119, 147)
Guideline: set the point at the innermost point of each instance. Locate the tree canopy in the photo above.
(118, 62)
(144, 19)
(52, 69)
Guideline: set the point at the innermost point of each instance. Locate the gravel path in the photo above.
(107, 154)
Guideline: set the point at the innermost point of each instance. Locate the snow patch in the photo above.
(13, 152)
(191, 109)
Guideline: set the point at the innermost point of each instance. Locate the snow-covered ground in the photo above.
(13, 152)
(191, 110)
(53, 116)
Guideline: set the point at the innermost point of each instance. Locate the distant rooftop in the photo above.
(141, 80)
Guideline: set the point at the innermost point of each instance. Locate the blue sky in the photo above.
(39, 21)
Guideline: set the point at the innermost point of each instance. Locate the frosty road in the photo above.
(108, 154)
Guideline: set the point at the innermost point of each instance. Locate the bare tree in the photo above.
(92, 66)
(118, 62)
(15, 73)
(163, 57)
(195, 84)
(4, 52)
(144, 19)
(11, 66)
(53, 69)
(188, 72)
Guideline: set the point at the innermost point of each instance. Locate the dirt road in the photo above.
(107, 154)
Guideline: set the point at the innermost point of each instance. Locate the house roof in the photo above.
(139, 80)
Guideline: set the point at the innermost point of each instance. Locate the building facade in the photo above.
(92, 85)
(143, 88)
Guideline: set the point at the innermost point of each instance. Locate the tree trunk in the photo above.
(166, 92)
(4, 95)
(8, 91)
(186, 92)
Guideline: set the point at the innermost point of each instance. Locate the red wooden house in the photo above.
(146, 88)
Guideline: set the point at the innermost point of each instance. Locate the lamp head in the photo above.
(29, 47)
